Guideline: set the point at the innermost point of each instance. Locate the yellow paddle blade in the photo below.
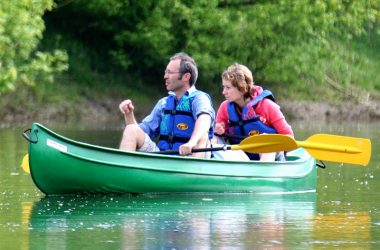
(326, 147)
(266, 143)
(25, 163)
(338, 148)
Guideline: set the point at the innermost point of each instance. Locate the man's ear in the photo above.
(186, 76)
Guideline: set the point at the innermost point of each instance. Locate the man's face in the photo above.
(173, 79)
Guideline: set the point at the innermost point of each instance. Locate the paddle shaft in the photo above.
(195, 150)
(321, 146)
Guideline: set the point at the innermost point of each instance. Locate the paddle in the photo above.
(321, 146)
(25, 163)
(326, 147)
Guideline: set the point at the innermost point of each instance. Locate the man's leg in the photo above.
(133, 138)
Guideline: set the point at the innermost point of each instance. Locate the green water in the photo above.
(344, 213)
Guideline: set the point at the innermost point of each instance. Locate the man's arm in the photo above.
(200, 132)
(201, 127)
(204, 115)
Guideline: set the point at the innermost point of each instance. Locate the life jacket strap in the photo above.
(177, 112)
(242, 122)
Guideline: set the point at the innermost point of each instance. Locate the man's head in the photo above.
(180, 74)
(187, 65)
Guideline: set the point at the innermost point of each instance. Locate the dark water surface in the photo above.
(344, 213)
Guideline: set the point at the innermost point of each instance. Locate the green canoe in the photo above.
(59, 165)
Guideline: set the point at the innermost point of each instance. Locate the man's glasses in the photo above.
(171, 72)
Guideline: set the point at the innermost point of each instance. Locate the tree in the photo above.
(21, 28)
(283, 42)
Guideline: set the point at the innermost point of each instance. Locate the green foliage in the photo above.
(298, 48)
(323, 50)
(21, 28)
(302, 46)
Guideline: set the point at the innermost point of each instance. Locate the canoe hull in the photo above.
(59, 165)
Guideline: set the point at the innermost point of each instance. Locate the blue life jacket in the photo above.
(177, 124)
(248, 123)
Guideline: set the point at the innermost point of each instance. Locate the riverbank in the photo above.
(303, 110)
(104, 112)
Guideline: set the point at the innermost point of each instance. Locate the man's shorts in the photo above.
(149, 145)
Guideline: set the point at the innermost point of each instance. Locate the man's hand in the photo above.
(185, 149)
(126, 107)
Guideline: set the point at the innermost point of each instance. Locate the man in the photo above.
(181, 121)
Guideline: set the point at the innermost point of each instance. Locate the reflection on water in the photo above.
(171, 221)
(354, 229)
(345, 212)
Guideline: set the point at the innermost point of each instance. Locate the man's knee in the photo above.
(135, 133)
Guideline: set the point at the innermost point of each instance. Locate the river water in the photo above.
(343, 213)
